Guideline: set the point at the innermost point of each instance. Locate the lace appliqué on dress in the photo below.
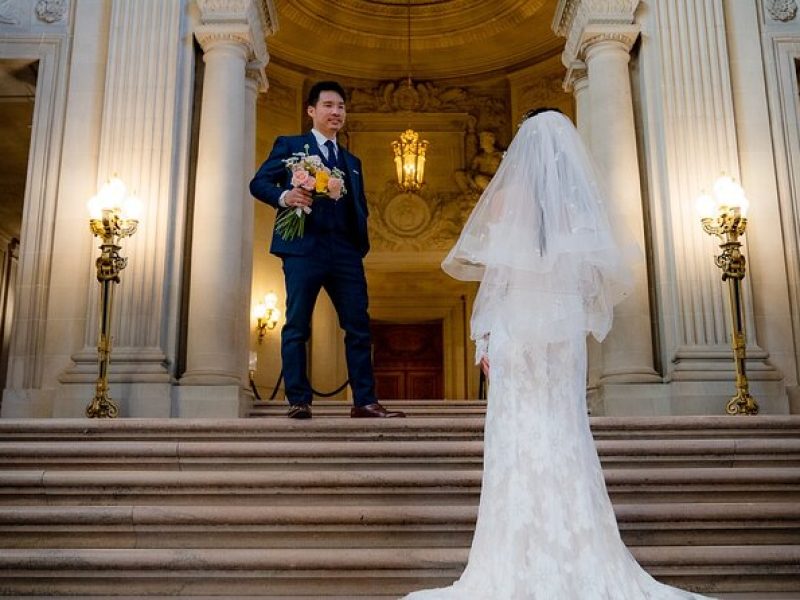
(546, 528)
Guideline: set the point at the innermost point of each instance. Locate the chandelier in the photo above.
(409, 150)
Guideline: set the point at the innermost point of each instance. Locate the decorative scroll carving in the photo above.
(782, 10)
(51, 11)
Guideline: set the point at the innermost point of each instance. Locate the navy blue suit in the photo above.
(329, 255)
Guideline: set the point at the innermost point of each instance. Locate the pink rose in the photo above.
(309, 183)
(299, 177)
(335, 186)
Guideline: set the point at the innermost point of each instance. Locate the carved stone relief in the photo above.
(425, 220)
(782, 10)
(51, 11)
(9, 13)
(433, 218)
(490, 111)
(545, 90)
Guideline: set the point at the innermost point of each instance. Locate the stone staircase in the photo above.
(340, 508)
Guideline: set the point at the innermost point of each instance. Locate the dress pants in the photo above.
(335, 265)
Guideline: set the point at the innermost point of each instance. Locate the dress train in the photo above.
(546, 529)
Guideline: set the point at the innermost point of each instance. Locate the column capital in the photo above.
(255, 75)
(586, 22)
(577, 76)
(245, 22)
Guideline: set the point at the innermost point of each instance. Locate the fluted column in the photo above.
(600, 33)
(231, 35)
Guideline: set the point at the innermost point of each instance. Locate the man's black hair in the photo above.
(324, 86)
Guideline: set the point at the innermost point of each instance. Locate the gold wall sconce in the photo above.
(267, 315)
(724, 215)
(113, 215)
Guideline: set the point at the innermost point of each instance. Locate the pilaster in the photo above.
(691, 139)
(138, 144)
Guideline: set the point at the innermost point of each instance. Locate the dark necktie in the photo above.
(331, 162)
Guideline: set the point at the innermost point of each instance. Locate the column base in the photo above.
(27, 404)
(69, 401)
(210, 401)
(683, 398)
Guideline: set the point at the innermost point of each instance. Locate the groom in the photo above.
(328, 255)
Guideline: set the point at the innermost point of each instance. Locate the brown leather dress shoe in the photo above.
(300, 411)
(374, 411)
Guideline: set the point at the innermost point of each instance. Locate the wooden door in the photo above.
(408, 360)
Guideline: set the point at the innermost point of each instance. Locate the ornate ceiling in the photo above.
(449, 38)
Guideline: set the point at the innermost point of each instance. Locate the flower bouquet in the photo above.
(308, 172)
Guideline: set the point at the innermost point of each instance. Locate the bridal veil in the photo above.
(541, 242)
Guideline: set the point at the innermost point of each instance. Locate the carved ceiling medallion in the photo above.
(407, 214)
(416, 221)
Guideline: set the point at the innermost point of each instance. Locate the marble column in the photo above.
(232, 36)
(254, 82)
(577, 81)
(599, 34)
(692, 138)
(628, 349)
(214, 307)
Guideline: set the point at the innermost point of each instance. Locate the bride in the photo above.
(540, 242)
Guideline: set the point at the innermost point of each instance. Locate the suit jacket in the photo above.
(273, 178)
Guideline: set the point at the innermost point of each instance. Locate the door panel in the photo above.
(408, 360)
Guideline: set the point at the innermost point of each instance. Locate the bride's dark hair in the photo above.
(537, 111)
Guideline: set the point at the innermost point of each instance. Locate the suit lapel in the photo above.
(313, 147)
(355, 176)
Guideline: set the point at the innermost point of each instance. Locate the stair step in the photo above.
(383, 454)
(344, 508)
(438, 428)
(365, 526)
(743, 484)
(718, 596)
(356, 572)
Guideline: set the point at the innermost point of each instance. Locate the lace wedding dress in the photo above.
(546, 529)
(551, 268)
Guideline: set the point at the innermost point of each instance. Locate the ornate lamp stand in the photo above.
(113, 214)
(725, 217)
